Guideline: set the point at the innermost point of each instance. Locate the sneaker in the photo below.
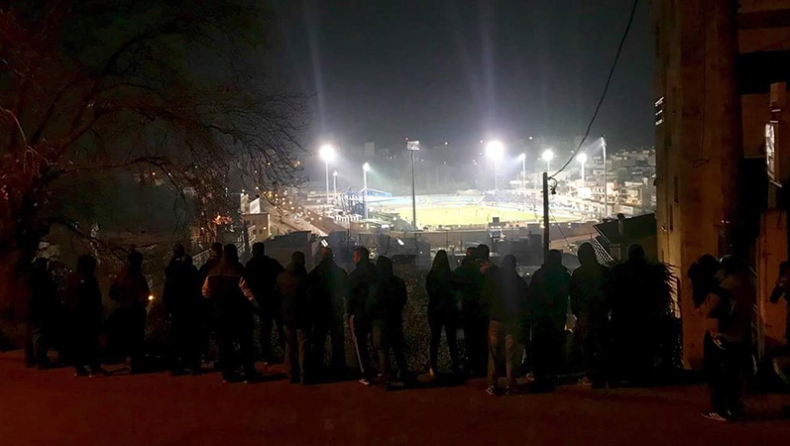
(81, 372)
(715, 416)
(364, 381)
(587, 382)
(530, 377)
(491, 390)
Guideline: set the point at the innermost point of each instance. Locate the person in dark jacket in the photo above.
(442, 309)
(547, 301)
(326, 296)
(209, 320)
(385, 309)
(235, 304)
(82, 297)
(130, 290)
(782, 288)
(589, 305)
(506, 293)
(183, 302)
(262, 272)
(44, 314)
(292, 288)
(469, 281)
(359, 282)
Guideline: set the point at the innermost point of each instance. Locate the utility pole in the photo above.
(545, 216)
(413, 146)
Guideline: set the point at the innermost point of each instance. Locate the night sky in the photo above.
(463, 70)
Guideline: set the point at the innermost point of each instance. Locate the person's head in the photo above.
(483, 252)
(40, 264)
(258, 249)
(731, 264)
(178, 251)
(554, 258)
(216, 250)
(587, 255)
(86, 265)
(509, 263)
(783, 267)
(135, 261)
(297, 259)
(441, 261)
(327, 255)
(230, 253)
(470, 252)
(384, 266)
(361, 255)
(636, 253)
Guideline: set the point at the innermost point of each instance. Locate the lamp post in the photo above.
(523, 159)
(605, 175)
(413, 146)
(334, 185)
(495, 150)
(365, 168)
(548, 155)
(327, 153)
(582, 159)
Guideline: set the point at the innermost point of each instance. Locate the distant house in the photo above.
(616, 236)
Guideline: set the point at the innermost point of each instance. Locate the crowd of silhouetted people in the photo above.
(510, 327)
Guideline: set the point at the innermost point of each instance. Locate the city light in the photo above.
(582, 159)
(547, 156)
(327, 153)
(366, 167)
(495, 150)
(522, 157)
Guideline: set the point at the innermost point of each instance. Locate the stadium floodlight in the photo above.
(547, 156)
(496, 151)
(327, 153)
(582, 159)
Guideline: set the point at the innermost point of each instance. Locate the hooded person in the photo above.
(182, 299)
(547, 303)
(235, 304)
(385, 309)
(262, 272)
(469, 281)
(44, 315)
(506, 293)
(590, 306)
(292, 289)
(326, 295)
(359, 282)
(442, 309)
(130, 291)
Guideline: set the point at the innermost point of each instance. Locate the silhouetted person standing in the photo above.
(130, 290)
(82, 297)
(359, 283)
(262, 272)
(209, 317)
(44, 313)
(506, 294)
(547, 302)
(469, 279)
(183, 302)
(589, 305)
(726, 342)
(292, 288)
(385, 309)
(327, 292)
(235, 304)
(782, 288)
(442, 309)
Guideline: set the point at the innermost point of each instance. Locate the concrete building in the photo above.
(716, 61)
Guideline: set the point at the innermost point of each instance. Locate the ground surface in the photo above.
(54, 408)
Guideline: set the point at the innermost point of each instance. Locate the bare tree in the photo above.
(91, 89)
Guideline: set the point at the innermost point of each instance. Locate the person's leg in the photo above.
(226, 354)
(246, 337)
(482, 344)
(137, 339)
(267, 322)
(359, 334)
(303, 345)
(291, 354)
(317, 345)
(713, 366)
(435, 326)
(338, 344)
(40, 345)
(398, 345)
(495, 333)
(735, 357)
(380, 344)
(511, 350)
(469, 342)
(451, 329)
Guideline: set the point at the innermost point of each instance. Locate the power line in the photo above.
(606, 87)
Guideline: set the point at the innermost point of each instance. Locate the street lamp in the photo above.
(582, 159)
(327, 153)
(334, 185)
(548, 155)
(495, 150)
(365, 168)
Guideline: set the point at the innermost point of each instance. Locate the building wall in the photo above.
(708, 129)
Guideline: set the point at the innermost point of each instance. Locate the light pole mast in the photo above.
(365, 168)
(334, 185)
(413, 146)
(605, 185)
